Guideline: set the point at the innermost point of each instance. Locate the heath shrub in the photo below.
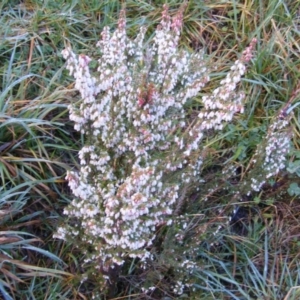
(142, 150)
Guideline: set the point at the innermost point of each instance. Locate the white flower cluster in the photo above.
(272, 154)
(138, 136)
(223, 103)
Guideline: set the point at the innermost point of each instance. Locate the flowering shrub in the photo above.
(142, 151)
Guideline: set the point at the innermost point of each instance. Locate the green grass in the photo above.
(263, 265)
(38, 144)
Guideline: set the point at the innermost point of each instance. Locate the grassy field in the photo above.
(255, 256)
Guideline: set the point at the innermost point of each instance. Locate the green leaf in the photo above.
(294, 189)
